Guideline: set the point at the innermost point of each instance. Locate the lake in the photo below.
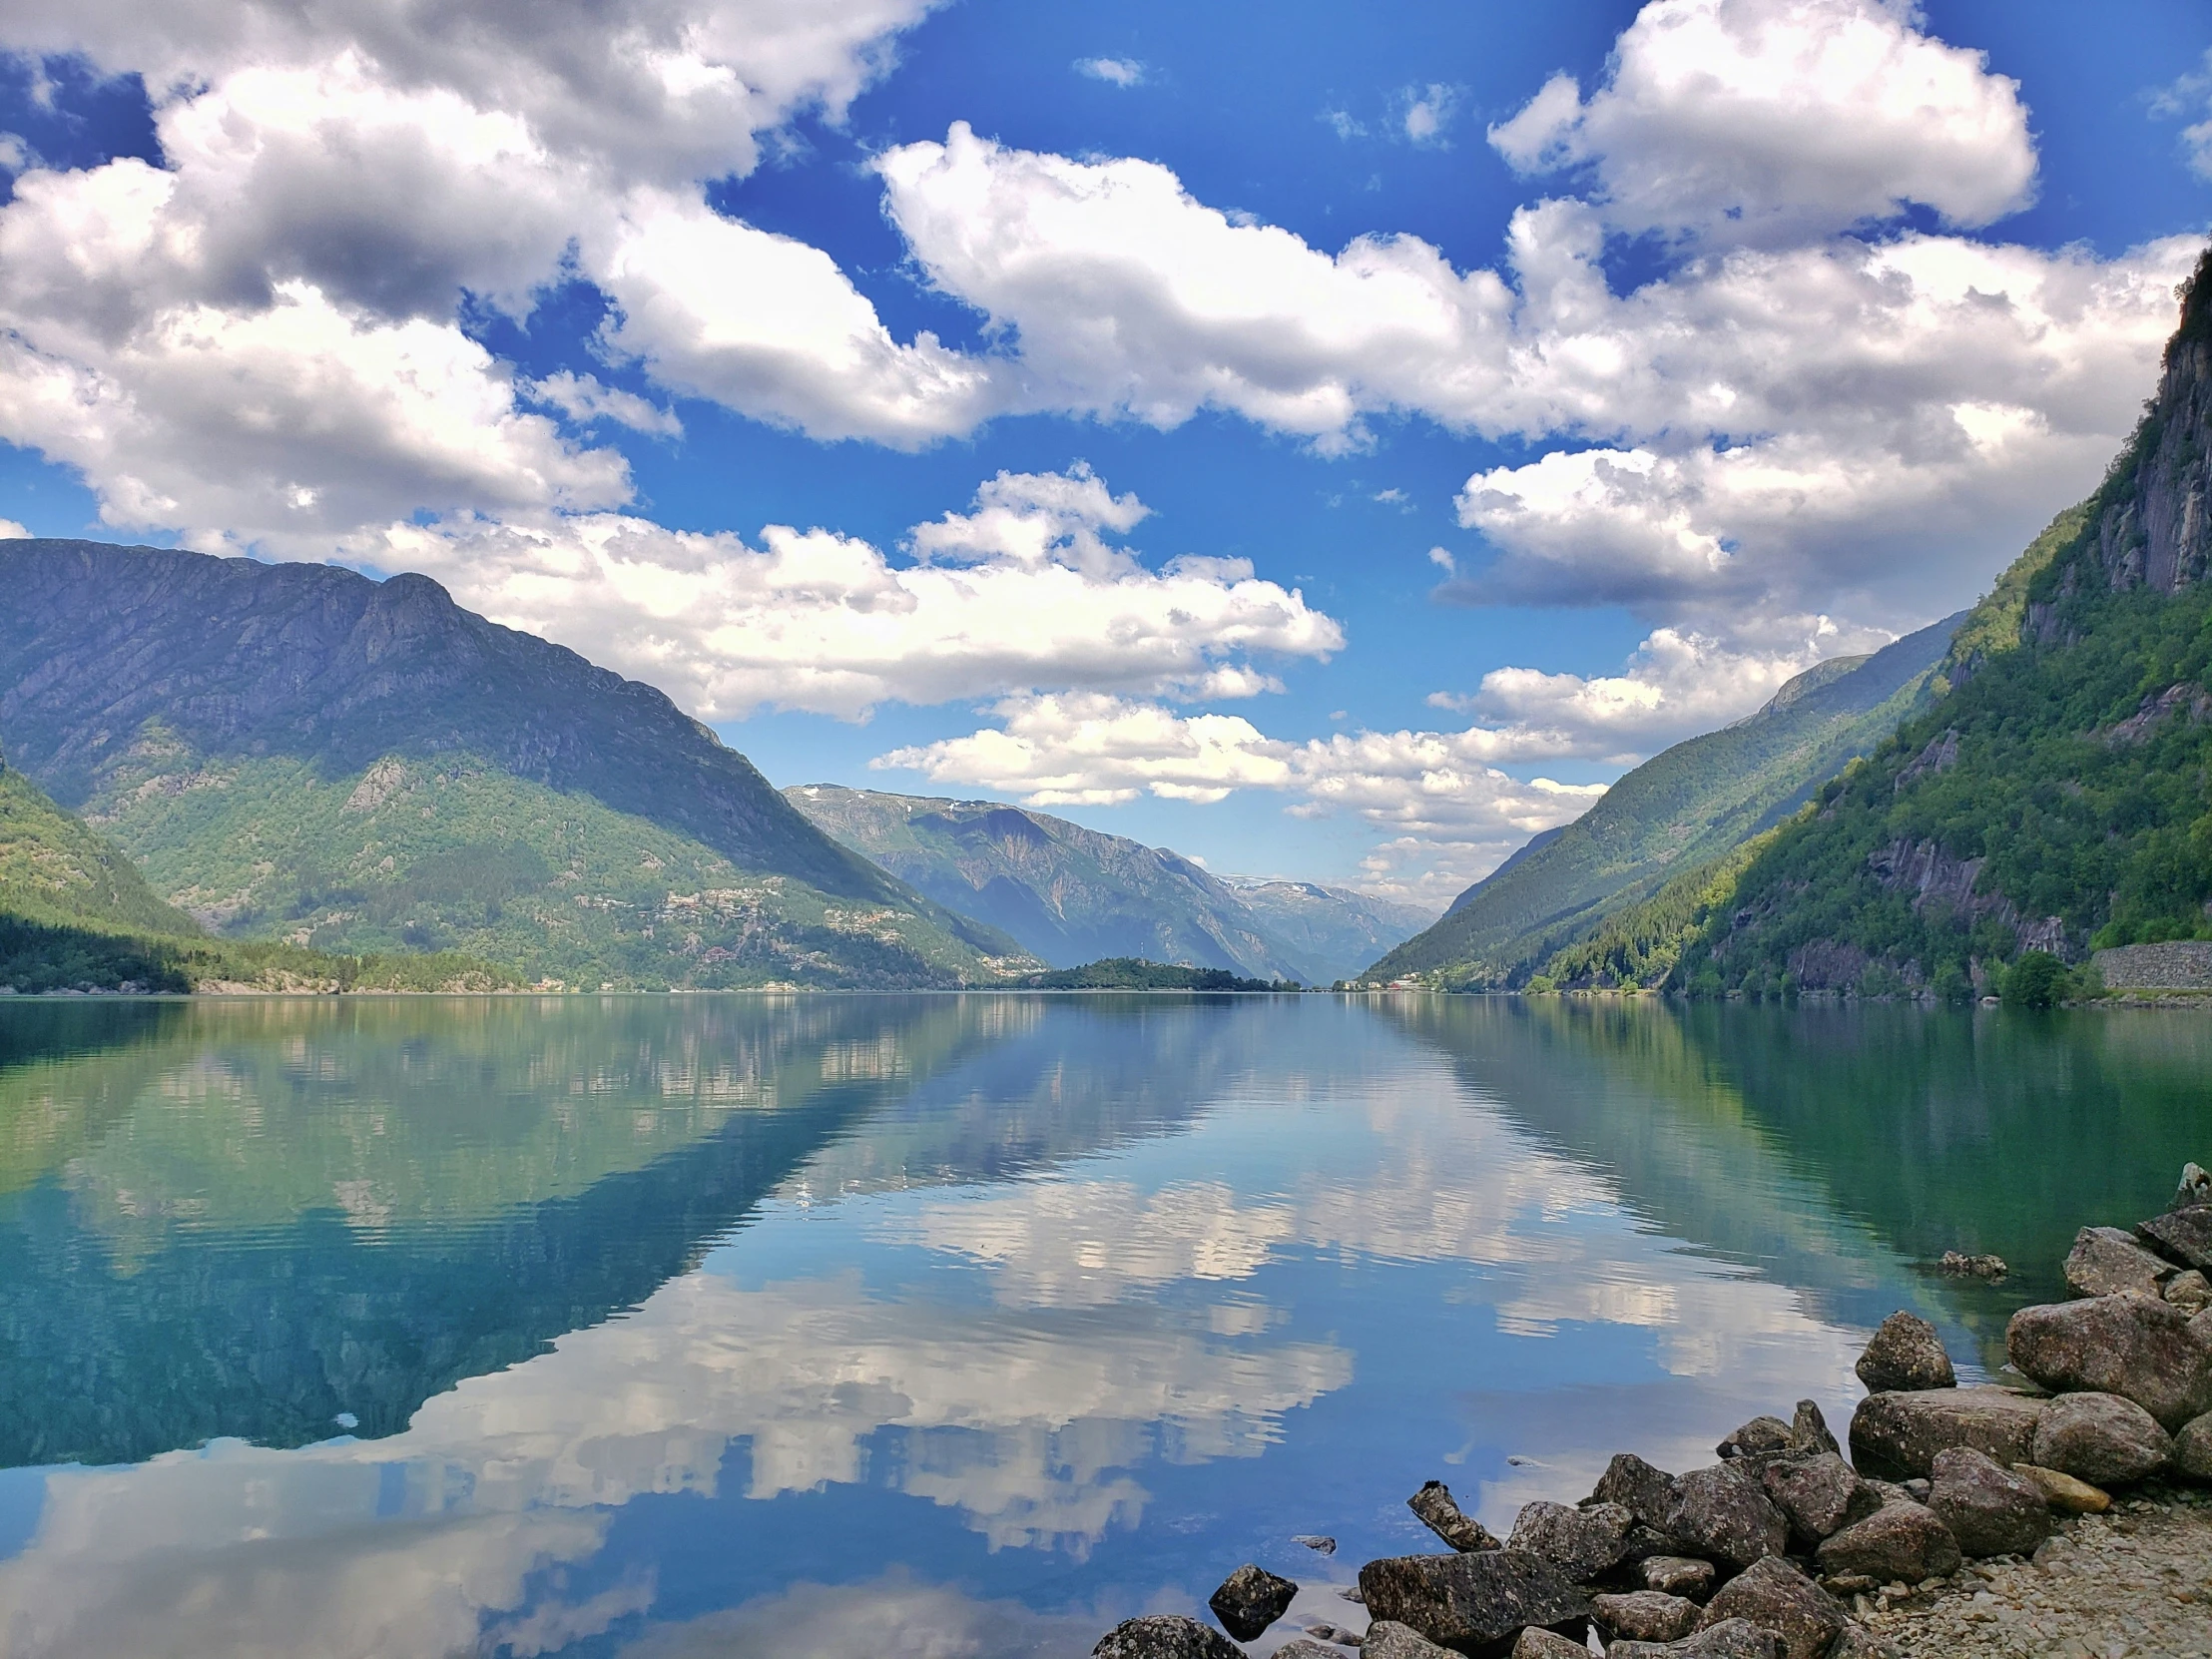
(952, 1325)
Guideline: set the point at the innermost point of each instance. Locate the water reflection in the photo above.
(948, 1326)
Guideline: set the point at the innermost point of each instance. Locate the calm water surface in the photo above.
(949, 1326)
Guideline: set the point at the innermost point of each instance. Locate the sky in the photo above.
(1332, 441)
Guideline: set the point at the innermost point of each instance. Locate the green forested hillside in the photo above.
(1681, 810)
(2059, 795)
(296, 754)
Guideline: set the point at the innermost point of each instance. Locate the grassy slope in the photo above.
(1682, 809)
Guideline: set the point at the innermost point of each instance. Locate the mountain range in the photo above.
(1070, 894)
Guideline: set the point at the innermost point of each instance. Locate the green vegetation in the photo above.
(1636, 948)
(1133, 974)
(1678, 811)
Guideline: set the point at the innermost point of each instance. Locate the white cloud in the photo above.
(1024, 591)
(1756, 118)
(2191, 95)
(1115, 72)
(583, 399)
(12, 531)
(1425, 113)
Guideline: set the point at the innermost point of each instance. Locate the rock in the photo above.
(1720, 1513)
(1433, 1504)
(1730, 1639)
(1582, 1543)
(1989, 1509)
(1250, 1599)
(1644, 1492)
(1647, 1615)
(1905, 1354)
(2191, 1291)
(1858, 1642)
(1915, 1490)
(1971, 1267)
(2184, 1236)
(1316, 1542)
(1471, 1598)
(1809, 1432)
(1388, 1639)
(1816, 1495)
(1898, 1541)
(2101, 1438)
(2061, 1491)
(2105, 1262)
(1547, 1644)
(1760, 1438)
(1899, 1433)
(1677, 1575)
(1308, 1647)
(2119, 1345)
(2196, 1188)
(2193, 1449)
(1164, 1636)
(1776, 1596)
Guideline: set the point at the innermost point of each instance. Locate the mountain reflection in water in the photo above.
(957, 1324)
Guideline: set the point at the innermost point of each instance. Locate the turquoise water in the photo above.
(950, 1325)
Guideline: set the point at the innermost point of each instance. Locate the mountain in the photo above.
(1074, 895)
(2054, 798)
(299, 752)
(1681, 809)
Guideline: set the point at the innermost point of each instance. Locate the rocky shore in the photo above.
(2066, 1511)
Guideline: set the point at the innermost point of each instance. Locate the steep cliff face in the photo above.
(2154, 530)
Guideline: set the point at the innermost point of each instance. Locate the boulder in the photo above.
(1472, 1598)
(1776, 1596)
(1989, 1509)
(1858, 1642)
(1722, 1514)
(2106, 1262)
(1809, 1432)
(1164, 1636)
(1898, 1434)
(2191, 1291)
(1760, 1438)
(2183, 1236)
(2103, 1438)
(1961, 1266)
(2196, 1188)
(1318, 1543)
(1677, 1575)
(1730, 1639)
(2118, 1345)
(1905, 1542)
(1647, 1615)
(1543, 1644)
(1818, 1495)
(1388, 1639)
(1304, 1647)
(1433, 1504)
(1250, 1599)
(1582, 1543)
(1644, 1492)
(2193, 1449)
(2061, 1491)
(1905, 1354)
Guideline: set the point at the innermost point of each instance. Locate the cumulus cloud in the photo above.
(1750, 118)
(10, 530)
(1027, 590)
(1115, 72)
(583, 399)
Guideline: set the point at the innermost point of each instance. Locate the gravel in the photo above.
(2134, 1583)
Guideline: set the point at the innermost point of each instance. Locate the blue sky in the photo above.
(1507, 427)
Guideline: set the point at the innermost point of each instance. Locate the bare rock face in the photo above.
(1776, 1596)
(2063, 1492)
(1989, 1509)
(1434, 1505)
(1250, 1599)
(2193, 1449)
(1582, 1543)
(1905, 1354)
(2103, 1438)
(1647, 1615)
(1644, 1492)
(1819, 1495)
(1898, 1541)
(2107, 1262)
(1677, 1575)
(1760, 1438)
(1543, 1644)
(1730, 1639)
(1164, 1636)
(1809, 1432)
(2185, 1236)
(1472, 1598)
(1722, 1513)
(1388, 1639)
(1898, 1434)
(2119, 1345)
